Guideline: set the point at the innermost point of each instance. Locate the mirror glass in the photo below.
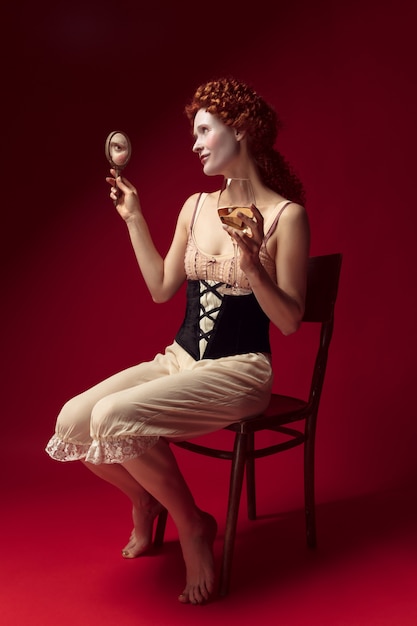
(118, 150)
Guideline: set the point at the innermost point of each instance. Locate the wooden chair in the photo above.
(322, 288)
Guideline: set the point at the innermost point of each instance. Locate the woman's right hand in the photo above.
(124, 196)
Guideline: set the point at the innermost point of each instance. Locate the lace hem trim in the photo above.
(109, 451)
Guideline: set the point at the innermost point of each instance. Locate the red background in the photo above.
(74, 307)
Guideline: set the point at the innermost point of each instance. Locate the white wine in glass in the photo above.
(236, 196)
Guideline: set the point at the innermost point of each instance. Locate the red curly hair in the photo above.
(236, 104)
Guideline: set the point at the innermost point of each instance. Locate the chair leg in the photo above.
(309, 498)
(235, 490)
(250, 477)
(160, 528)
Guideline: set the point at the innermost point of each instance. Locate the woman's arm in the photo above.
(163, 277)
(283, 302)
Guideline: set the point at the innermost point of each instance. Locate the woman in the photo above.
(121, 428)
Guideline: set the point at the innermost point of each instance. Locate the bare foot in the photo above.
(197, 549)
(141, 538)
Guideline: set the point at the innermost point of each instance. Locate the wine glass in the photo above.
(236, 196)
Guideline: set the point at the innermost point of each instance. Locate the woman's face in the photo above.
(216, 144)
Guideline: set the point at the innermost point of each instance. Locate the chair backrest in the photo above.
(322, 289)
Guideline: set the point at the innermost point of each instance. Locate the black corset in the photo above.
(240, 327)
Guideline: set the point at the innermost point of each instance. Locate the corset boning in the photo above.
(215, 326)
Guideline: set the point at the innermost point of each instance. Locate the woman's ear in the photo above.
(239, 134)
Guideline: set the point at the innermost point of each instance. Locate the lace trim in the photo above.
(64, 451)
(108, 451)
(199, 266)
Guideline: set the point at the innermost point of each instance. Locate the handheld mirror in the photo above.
(118, 150)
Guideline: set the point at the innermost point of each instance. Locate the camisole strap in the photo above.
(274, 224)
(200, 200)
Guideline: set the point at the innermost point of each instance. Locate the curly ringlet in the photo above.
(238, 105)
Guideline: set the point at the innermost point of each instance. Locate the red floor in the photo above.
(62, 531)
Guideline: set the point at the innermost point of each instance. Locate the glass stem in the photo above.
(235, 262)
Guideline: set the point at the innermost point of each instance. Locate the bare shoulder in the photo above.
(190, 204)
(293, 212)
(293, 218)
(188, 208)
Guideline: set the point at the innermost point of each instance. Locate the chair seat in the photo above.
(284, 405)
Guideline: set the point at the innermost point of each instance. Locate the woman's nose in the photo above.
(197, 146)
